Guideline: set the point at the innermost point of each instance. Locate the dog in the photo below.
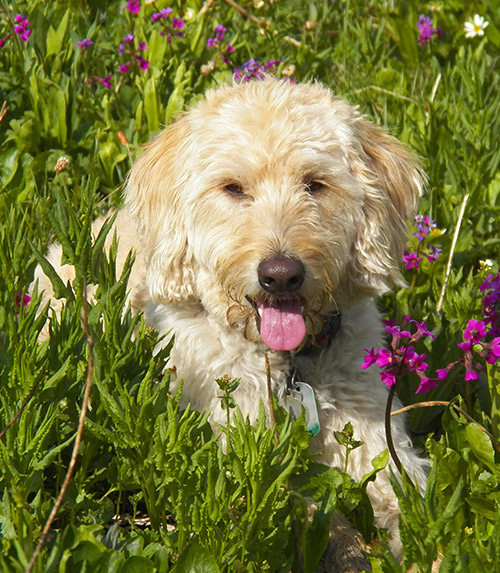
(265, 221)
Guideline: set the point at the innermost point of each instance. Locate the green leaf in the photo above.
(56, 38)
(138, 564)
(196, 559)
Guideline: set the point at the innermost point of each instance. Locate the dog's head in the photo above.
(275, 202)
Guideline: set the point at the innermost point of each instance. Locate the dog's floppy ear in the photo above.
(153, 195)
(393, 181)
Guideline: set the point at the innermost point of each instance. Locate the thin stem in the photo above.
(431, 403)
(452, 251)
(76, 446)
(388, 433)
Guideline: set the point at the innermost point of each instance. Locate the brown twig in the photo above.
(76, 446)
(431, 403)
(3, 111)
(260, 21)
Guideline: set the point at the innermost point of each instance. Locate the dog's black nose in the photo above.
(280, 274)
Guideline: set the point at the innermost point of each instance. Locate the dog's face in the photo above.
(272, 204)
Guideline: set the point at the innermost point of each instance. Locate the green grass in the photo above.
(243, 509)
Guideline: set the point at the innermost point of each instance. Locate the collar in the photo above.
(316, 343)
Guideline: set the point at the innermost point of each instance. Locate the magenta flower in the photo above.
(369, 359)
(84, 44)
(475, 331)
(388, 378)
(169, 28)
(403, 358)
(164, 13)
(491, 303)
(22, 299)
(384, 358)
(425, 385)
(105, 81)
(426, 31)
(3, 41)
(433, 253)
(136, 59)
(254, 69)
(133, 6)
(412, 261)
(413, 360)
(421, 330)
(21, 27)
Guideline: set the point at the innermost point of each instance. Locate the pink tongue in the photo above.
(282, 326)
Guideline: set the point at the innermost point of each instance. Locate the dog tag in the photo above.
(302, 396)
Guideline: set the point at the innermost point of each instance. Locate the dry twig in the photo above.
(76, 446)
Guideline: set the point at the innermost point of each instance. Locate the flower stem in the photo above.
(388, 433)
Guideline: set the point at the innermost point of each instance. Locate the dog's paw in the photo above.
(344, 553)
(343, 559)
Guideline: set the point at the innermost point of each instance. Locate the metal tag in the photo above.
(302, 396)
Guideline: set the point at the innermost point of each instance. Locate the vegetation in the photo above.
(85, 84)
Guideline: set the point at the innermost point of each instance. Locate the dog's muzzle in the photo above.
(280, 311)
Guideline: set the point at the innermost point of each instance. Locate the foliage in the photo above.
(76, 85)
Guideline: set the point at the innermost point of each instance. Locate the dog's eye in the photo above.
(314, 187)
(234, 189)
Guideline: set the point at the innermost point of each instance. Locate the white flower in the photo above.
(475, 28)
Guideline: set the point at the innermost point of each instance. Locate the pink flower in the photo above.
(475, 331)
(426, 30)
(104, 81)
(21, 27)
(22, 299)
(421, 330)
(133, 6)
(425, 385)
(370, 358)
(412, 261)
(388, 378)
(164, 13)
(384, 358)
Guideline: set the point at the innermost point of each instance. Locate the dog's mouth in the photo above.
(280, 321)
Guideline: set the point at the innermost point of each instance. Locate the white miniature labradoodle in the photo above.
(265, 220)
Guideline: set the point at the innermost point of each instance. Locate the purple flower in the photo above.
(254, 69)
(142, 63)
(413, 360)
(475, 331)
(491, 303)
(105, 81)
(471, 374)
(426, 31)
(164, 13)
(384, 358)
(412, 260)
(421, 330)
(133, 6)
(388, 378)
(21, 27)
(84, 44)
(136, 59)
(4, 40)
(433, 253)
(370, 358)
(425, 385)
(22, 299)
